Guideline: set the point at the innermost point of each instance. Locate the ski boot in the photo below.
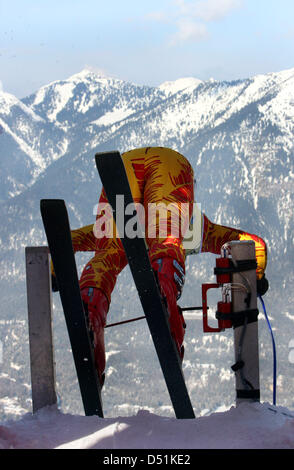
(96, 308)
(171, 277)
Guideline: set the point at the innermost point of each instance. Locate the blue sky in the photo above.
(146, 42)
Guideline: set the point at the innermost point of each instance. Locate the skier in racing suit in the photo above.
(157, 175)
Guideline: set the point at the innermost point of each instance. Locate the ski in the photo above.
(57, 228)
(115, 182)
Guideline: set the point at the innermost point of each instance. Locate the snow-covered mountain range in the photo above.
(239, 138)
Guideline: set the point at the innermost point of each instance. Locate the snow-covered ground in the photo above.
(248, 426)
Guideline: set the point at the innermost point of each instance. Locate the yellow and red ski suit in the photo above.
(156, 175)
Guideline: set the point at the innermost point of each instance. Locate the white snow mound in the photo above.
(248, 426)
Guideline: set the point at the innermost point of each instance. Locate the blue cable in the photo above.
(274, 352)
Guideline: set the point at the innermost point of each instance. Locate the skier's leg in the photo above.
(169, 183)
(96, 308)
(99, 277)
(168, 200)
(171, 278)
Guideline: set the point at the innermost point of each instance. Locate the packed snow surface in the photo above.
(248, 426)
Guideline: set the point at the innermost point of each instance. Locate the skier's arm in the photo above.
(83, 239)
(215, 236)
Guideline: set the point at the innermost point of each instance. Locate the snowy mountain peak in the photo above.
(8, 101)
(60, 91)
(88, 74)
(279, 76)
(172, 87)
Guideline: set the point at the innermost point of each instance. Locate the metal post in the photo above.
(40, 327)
(245, 335)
